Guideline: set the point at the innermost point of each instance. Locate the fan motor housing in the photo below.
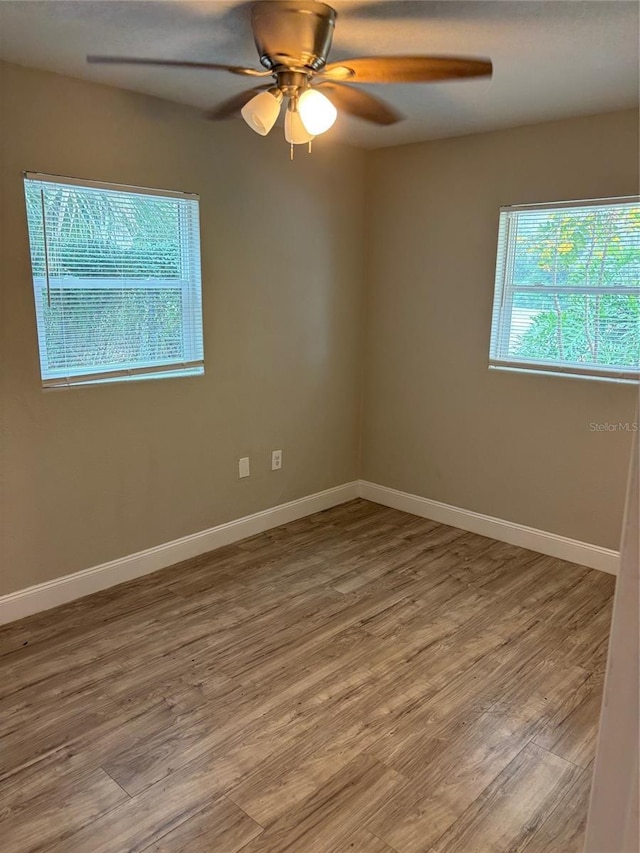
(293, 34)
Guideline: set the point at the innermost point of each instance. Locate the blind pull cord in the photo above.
(46, 246)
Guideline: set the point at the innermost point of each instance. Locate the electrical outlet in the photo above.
(276, 460)
(243, 467)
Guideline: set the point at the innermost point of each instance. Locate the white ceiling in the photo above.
(551, 59)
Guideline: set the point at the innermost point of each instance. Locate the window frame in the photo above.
(505, 290)
(191, 295)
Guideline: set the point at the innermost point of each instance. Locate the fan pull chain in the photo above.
(309, 146)
(291, 154)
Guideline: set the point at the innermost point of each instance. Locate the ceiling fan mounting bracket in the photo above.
(293, 34)
(292, 82)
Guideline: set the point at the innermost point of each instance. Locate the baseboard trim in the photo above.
(43, 596)
(593, 556)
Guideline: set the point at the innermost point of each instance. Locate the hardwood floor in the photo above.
(358, 680)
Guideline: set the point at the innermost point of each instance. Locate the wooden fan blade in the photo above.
(232, 106)
(360, 104)
(176, 63)
(406, 69)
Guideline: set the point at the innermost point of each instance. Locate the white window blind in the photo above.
(116, 277)
(567, 292)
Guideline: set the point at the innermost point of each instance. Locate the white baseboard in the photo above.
(33, 599)
(43, 596)
(551, 544)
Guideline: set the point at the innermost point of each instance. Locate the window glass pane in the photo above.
(114, 328)
(587, 246)
(581, 329)
(567, 289)
(116, 275)
(93, 233)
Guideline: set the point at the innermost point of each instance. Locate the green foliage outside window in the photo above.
(595, 248)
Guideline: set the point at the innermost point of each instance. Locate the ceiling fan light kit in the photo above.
(293, 39)
(309, 113)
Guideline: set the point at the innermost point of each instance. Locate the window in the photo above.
(116, 278)
(567, 296)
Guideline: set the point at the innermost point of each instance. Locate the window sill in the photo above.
(541, 371)
(112, 380)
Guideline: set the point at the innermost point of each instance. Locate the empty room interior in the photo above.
(319, 359)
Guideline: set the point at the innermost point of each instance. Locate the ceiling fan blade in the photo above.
(232, 106)
(176, 63)
(360, 104)
(406, 69)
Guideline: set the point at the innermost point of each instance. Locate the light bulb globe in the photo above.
(261, 112)
(316, 111)
(294, 130)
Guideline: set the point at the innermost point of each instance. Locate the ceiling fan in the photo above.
(293, 38)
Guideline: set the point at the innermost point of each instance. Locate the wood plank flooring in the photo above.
(358, 680)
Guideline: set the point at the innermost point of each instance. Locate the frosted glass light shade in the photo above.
(316, 111)
(294, 130)
(261, 112)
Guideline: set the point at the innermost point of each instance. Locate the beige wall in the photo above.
(437, 423)
(92, 474)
